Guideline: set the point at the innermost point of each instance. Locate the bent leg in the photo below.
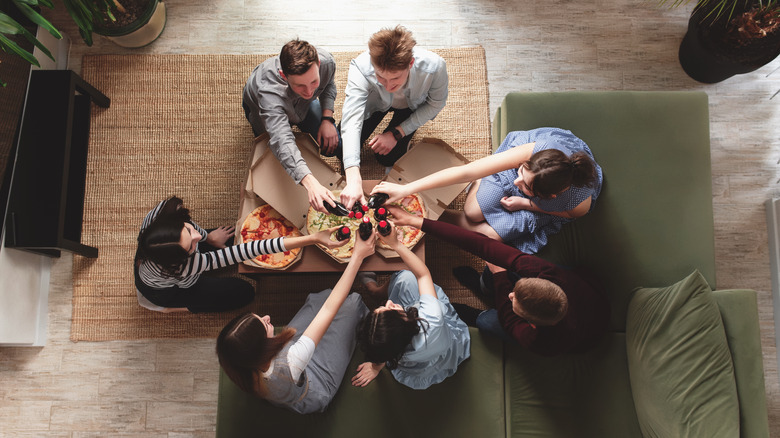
(459, 218)
(471, 208)
(488, 322)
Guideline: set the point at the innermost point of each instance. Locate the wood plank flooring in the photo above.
(168, 388)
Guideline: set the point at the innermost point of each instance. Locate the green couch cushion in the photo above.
(470, 403)
(652, 224)
(680, 366)
(584, 395)
(739, 312)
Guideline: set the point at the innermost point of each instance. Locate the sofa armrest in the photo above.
(739, 311)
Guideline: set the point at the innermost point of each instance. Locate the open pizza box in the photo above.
(426, 157)
(268, 183)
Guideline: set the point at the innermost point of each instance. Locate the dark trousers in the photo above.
(370, 124)
(208, 294)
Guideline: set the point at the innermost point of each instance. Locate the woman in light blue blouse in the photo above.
(535, 182)
(417, 334)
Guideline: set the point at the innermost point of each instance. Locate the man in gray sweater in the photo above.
(296, 88)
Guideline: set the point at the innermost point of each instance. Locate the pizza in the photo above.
(266, 223)
(317, 221)
(409, 236)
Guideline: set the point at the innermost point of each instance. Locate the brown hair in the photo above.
(244, 350)
(543, 301)
(384, 336)
(391, 49)
(554, 171)
(297, 57)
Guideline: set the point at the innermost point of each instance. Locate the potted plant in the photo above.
(128, 23)
(730, 37)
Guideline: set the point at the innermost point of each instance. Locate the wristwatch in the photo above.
(330, 119)
(397, 134)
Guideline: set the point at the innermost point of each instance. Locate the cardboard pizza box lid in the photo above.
(271, 183)
(426, 157)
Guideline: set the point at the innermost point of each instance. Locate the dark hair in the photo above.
(391, 49)
(384, 336)
(244, 349)
(542, 300)
(159, 241)
(554, 171)
(297, 57)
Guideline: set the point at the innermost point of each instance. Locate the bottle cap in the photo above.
(382, 224)
(351, 214)
(345, 229)
(381, 210)
(366, 219)
(364, 207)
(358, 215)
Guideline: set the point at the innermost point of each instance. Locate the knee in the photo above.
(243, 293)
(473, 211)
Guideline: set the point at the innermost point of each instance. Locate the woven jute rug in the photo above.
(176, 127)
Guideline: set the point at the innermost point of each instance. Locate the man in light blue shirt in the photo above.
(392, 76)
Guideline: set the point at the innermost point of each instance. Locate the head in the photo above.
(170, 239)
(538, 301)
(246, 346)
(550, 172)
(300, 67)
(392, 57)
(384, 334)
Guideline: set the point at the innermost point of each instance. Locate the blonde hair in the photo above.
(391, 49)
(543, 301)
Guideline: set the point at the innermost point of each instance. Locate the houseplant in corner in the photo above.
(730, 37)
(128, 23)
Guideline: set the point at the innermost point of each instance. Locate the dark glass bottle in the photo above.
(342, 233)
(338, 210)
(380, 214)
(383, 227)
(365, 229)
(377, 200)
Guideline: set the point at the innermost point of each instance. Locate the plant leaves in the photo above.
(11, 47)
(36, 18)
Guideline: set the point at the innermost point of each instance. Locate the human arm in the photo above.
(281, 138)
(474, 170)
(317, 193)
(353, 191)
(515, 203)
(383, 143)
(321, 322)
(352, 113)
(417, 266)
(434, 68)
(327, 135)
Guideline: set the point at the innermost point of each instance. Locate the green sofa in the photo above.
(680, 360)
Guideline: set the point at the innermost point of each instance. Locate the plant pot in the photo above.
(140, 32)
(709, 55)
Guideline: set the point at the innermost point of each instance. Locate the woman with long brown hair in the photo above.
(300, 368)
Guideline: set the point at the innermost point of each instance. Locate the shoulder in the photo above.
(325, 56)
(427, 61)
(363, 63)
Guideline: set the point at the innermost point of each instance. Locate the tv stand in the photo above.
(46, 200)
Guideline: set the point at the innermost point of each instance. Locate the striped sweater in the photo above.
(153, 275)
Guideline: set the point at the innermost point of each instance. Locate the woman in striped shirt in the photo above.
(173, 251)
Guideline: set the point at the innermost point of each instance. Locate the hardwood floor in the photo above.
(168, 388)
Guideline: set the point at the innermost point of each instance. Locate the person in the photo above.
(535, 182)
(300, 368)
(173, 252)
(545, 308)
(392, 76)
(417, 333)
(296, 88)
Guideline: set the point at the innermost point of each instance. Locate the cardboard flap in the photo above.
(429, 156)
(272, 184)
